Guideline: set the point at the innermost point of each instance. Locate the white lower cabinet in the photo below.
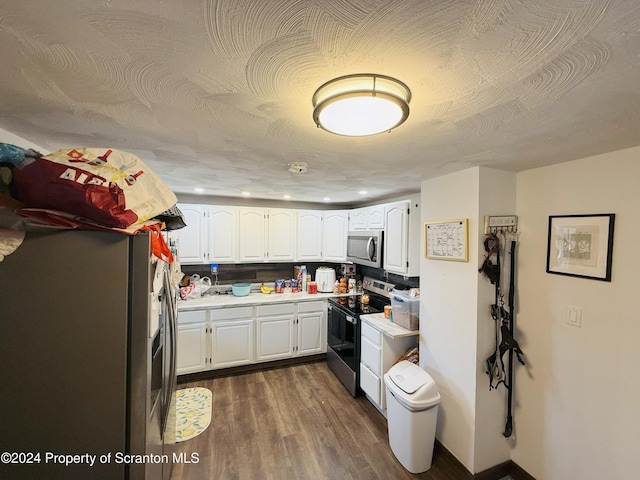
(231, 343)
(234, 336)
(192, 342)
(274, 331)
(311, 328)
(286, 330)
(209, 339)
(379, 352)
(192, 348)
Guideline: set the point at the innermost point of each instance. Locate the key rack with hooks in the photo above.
(500, 224)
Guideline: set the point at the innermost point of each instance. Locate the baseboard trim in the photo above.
(499, 471)
(254, 367)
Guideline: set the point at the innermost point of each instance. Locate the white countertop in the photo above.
(390, 329)
(257, 298)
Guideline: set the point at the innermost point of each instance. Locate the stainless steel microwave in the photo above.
(364, 247)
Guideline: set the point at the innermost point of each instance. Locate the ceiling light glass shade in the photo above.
(361, 104)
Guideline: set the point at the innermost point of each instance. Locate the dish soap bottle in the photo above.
(303, 274)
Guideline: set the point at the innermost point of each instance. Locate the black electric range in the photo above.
(343, 336)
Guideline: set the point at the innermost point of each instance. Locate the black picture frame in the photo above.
(581, 245)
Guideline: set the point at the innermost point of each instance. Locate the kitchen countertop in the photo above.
(253, 299)
(390, 329)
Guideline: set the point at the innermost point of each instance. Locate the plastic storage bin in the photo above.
(412, 414)
(405, 309)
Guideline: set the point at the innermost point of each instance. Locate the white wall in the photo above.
(448, 292)
(578, 399)
(456, 329)
(497, 197)
(8, 137)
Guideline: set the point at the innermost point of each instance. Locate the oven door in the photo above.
(343, 347)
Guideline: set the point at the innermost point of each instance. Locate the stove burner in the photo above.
(353, 305)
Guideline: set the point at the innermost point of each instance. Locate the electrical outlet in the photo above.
(214, 268)
(574, 316)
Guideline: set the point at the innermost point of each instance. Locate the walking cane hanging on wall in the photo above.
(504, 319)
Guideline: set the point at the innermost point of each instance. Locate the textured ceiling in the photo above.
(217, 94)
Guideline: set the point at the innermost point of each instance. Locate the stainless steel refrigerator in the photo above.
(87, 359)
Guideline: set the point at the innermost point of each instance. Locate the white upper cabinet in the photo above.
(262, 234)
(192, 239)
(223, 234)
(367, 218)
(358, 219)
(282, 234)
(336, 224)
(230, 234)
(376, 217)
(395, 239)
(402, 238)
(251, 234)
(310, 235)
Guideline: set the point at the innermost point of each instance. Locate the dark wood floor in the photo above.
(297, 422)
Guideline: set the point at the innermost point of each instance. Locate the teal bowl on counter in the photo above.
(241, 289)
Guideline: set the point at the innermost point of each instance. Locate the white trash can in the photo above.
(412, 412)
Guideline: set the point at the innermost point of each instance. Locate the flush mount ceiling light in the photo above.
(361, 104)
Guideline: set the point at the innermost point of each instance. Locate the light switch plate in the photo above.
(574, 316)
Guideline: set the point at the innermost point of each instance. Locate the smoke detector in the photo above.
(298, 167)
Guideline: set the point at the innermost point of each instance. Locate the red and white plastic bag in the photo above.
(106, 186)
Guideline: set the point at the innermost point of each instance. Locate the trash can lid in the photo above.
(412, 385)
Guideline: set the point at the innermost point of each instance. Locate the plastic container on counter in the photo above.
(406, 309)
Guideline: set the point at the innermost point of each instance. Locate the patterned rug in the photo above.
(193, 412)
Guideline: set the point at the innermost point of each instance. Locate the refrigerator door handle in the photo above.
(171, 330)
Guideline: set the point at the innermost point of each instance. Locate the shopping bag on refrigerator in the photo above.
(106, 186)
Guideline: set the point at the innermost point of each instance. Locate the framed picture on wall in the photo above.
(447, 240)
(581, 245)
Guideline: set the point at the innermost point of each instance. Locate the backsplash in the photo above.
(379, 274)
(253, 272)
(268, 272)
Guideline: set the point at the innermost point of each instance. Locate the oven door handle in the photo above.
(351, 319)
